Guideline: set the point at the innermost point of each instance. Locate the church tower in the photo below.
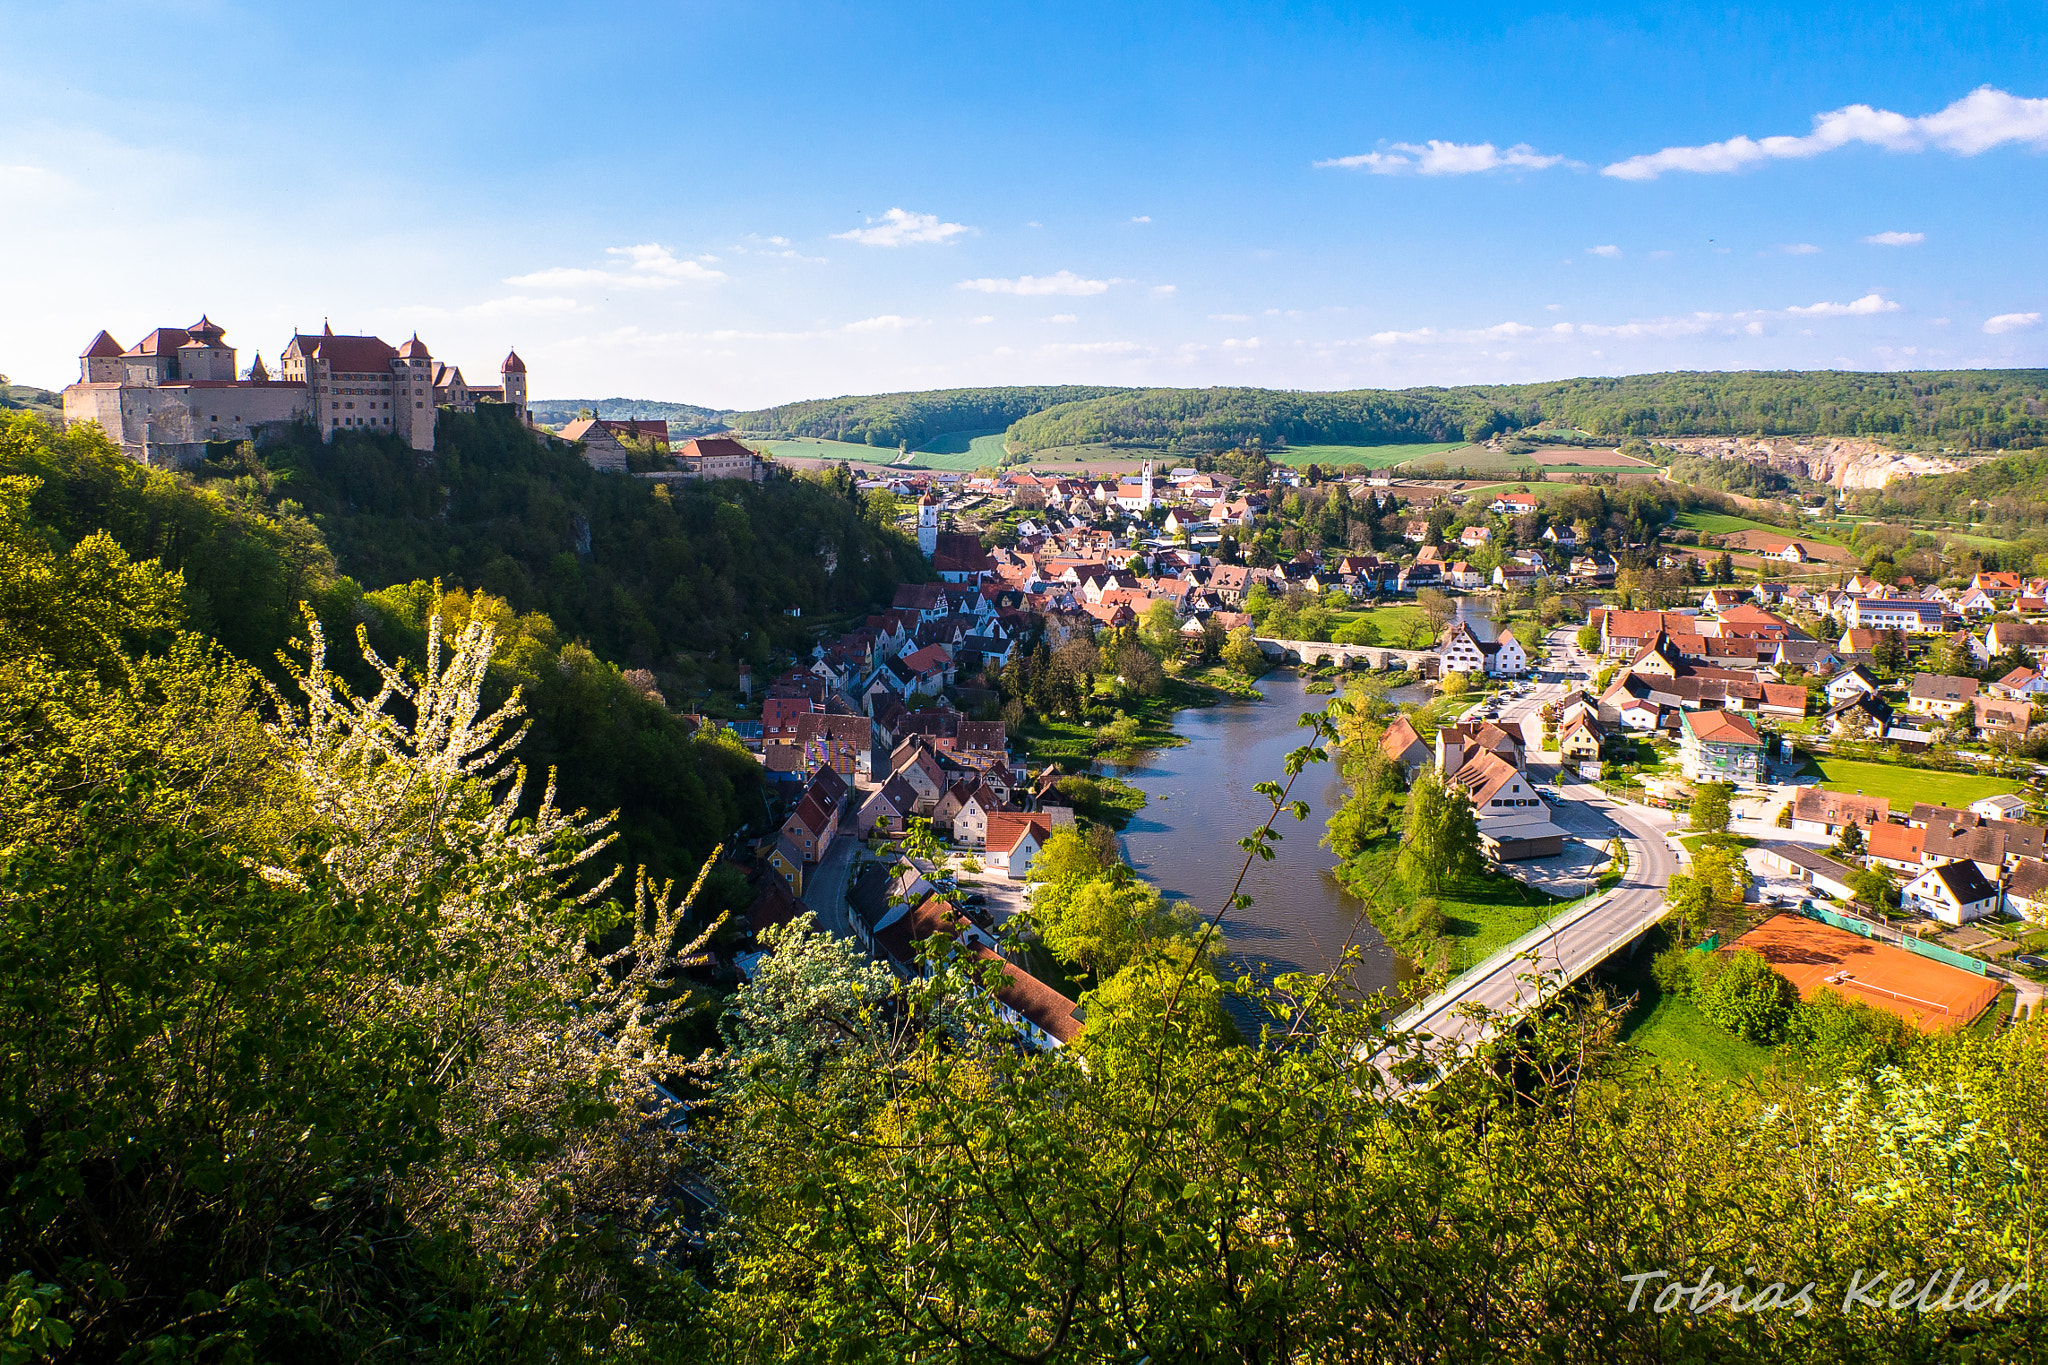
(1146, 491)
(927, 525)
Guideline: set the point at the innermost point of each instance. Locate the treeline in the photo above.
(1978, 409)
(893, 419)
(684, 419)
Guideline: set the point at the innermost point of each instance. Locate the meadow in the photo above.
(805, 448)
(961, 450)
(1371, 457)
(1903, 786)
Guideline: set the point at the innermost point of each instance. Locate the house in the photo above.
(1854, 681)
(1997, 716)
(1939, 694)
(1857, 644)
(1046, 1018)
(1896, 846)
(1474, 536)
(845, 744)
(1911, 615)
(1719, 746)
(2004, 806)
(1513, 821)
(1862, 714)
(1513, 504)
(1457, 744)
(1581, 740)
(1563, 537)
(1638, 713)
(1798, 863)
(1404, 748)
(2031, 636)
(1015, 839)
(1469, 646)
(786, 861)
(1463, 576)
(1815, 811)
(2026, 891)
(1954, 893)
(1954, 836)
(2022, 684)
(888, 809)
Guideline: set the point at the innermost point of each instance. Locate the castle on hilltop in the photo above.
(165, 398)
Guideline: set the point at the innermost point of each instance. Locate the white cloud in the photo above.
(1064, 317)
(1230, 317)
(1610, 251)
(1983, 119)
(2011, 322)
(1164, 289)
(1896, 238)
(1095, 348)
(1242, 344)
(1065, 282)
(983, 320)
(1868, 304)
(1800, 249)
(900, 228)
(648, 266)
(1503, 330)
(1437, 157)
(886, 322)
(1142, 218)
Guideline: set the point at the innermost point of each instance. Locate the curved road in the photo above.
(1581, 937)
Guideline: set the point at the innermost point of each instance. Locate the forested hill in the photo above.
(684, 419)
(1965, 409)
(1974, 409)
(891, 419)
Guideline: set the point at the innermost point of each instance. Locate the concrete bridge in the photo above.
(1421, 661)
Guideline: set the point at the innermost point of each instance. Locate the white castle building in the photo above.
(165, 398)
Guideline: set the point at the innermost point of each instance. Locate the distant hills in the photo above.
(1959, 409)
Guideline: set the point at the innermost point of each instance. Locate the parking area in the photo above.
(1000, 896)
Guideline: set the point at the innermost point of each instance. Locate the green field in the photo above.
(1372, 457)
(1903, 786)
(808, 449)
(961, 450)
(1395, 624)
(1672, 1031)
(1721, 524)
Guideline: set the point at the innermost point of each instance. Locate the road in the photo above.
(825, 888)
(1582, 937)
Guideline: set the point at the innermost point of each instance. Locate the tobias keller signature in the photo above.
(1866, 1290)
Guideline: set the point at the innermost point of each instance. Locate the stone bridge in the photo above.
(1421, 661)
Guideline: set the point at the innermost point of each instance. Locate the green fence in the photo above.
(1911, 944)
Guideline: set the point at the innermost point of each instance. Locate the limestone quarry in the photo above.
(1841, 461)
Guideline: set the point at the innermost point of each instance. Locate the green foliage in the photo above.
(1439, 832)
(1744, 994)
(1710, 806)
(1589, 638)
(1242, 654)
(894, 419)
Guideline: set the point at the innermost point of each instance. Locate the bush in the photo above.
(1454, 685)
(1744, 994)
(1675, 970)
(1589, 638)
(1848, 1035)
(1425, 919)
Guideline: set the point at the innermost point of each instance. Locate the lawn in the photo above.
(1903, 786)
(1396, 625)
(1672, 1030)
(961, 450)
(1372, 457)
(1482, 913)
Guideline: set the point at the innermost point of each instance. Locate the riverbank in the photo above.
(1444, 931)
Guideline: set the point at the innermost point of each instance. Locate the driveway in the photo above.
(825, 888)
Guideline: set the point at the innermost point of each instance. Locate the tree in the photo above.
(1454, 683)
(1889, 652)
(1850, 840)
(1437, 607)
(1873, 886)
(1160, 628)
(1724, 568)
(1137, 670)
(1713, 886)
(1242, 654)
(1439, 834)
(1710, 806)
(809, 1000)
(1589, 638)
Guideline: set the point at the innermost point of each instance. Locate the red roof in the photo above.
(1900, 843)
(1035, 1000)
(1721, 727)
(102, 347)
(722, 447)
(415, 349)
(513, 364)
(348, 355)
(1007, 828)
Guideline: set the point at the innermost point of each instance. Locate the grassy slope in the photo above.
(1483, 913)
(1903, 786)
(961, 450)
(1675, 1033)
(806, 449)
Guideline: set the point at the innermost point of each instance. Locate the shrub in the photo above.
(1674, 970)
(1425, 919)
(1744, 994)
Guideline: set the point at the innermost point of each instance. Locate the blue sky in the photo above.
(740, 205)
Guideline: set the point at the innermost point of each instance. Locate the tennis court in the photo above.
(1931, 996)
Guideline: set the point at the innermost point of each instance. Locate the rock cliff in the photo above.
(1842, 461)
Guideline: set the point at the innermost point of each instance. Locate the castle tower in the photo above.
(928, 525)
(514, 373)
(1146, 491)
(100, 363)
(412, 376)
(257, 374)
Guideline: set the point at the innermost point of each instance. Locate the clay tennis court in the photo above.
(1931, 996)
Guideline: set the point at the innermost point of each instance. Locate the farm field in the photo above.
(1099, 459)
(834, 451)
(1721, 524)
(1578, 457)
(1371, 457)
(961, 450)
(1903, 786)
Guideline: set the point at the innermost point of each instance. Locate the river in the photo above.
(1200, 802)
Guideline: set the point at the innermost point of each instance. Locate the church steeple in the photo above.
(256, 371)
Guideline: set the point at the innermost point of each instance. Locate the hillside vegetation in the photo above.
(2006, 497)
(891, 419)
(684, 419)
